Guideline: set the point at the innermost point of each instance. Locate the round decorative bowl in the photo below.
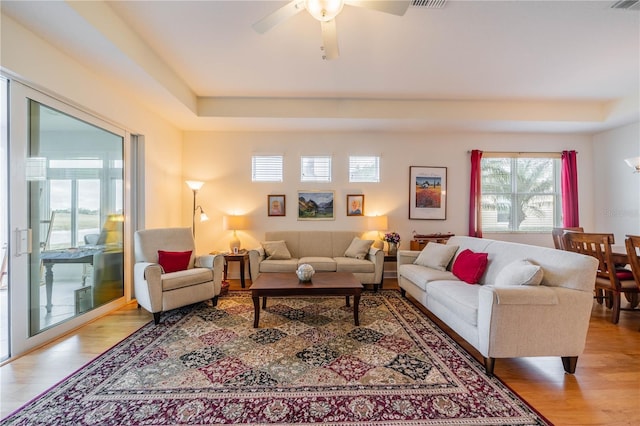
(305, 272)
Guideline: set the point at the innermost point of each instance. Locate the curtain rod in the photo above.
(521, 153)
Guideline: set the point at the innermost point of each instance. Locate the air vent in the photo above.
(429, 4)
(626, 4)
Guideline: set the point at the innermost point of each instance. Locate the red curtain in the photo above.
(475, 195)
(569, 182)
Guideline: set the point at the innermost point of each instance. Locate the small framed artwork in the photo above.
(315, 205)
(427, 193)
(276, 205)
(355, 205)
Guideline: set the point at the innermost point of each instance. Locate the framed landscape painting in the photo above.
(427, 193)
(316, 205)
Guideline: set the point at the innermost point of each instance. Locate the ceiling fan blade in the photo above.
(393, 7)
(273, 19)
(329, 40)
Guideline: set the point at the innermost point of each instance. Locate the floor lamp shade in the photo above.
(234, 223)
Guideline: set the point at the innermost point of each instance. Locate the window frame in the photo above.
(317, 177)
(515, 192)
(273, 170)
(361, 159)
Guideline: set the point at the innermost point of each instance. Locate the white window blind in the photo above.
(315, 169)
(520, 194)
(364, 168)
(266, 168)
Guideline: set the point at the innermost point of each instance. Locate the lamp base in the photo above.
(234, 243)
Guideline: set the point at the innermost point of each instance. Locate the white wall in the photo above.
(223, 161)
(36, 62)
(617, 188)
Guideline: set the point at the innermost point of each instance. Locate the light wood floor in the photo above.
(604, 391)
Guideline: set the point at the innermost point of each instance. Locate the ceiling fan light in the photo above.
(324, 10)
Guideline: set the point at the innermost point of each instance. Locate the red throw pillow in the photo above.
(172, 261)
(470, 266)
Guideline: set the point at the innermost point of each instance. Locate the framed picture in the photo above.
(276, 205)
(427, 193)
(355, 205)
(315, 205)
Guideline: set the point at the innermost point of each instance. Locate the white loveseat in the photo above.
(324, 250)
(550, 319)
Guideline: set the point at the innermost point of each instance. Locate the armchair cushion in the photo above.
(173, 261)
(186, 278)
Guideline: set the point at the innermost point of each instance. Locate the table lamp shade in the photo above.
(378, 223)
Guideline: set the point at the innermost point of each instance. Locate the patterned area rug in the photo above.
(306, 364)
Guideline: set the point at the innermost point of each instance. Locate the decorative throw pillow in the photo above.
(358, 248)
(470, 266)
(436, 256)
(519, 272)
(172, 261)
(276, 250)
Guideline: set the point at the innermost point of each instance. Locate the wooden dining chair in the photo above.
(557, 233)
(632, 243)
(611, 282)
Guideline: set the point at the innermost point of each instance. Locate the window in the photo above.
(364, 168)
(520, 194)
(266, 168)
(315, 169)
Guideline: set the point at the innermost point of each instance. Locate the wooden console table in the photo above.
(419, 241)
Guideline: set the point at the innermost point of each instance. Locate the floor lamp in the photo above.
(195, 186)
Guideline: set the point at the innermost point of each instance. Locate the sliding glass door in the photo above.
(67, 216)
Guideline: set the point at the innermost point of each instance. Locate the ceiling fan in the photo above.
(326, 11)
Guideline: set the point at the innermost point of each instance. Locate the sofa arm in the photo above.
(376, 256)
(407, 256)
(255, 257)
(532, 321)
(148, 285)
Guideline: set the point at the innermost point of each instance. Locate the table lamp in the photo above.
(234, 223)
(380, 224)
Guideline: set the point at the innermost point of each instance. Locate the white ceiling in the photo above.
(530, 66)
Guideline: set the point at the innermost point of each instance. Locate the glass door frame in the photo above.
(20, 341)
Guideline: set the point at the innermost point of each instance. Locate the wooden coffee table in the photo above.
(276, 284)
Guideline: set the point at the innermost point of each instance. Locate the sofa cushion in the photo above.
(457, 297)
(349, 264)
(285, 265)
(172, 261)
(470, 266)
(319, 263)
(436, 256)
(519, 272)
(420, 275)
(358, 248)
(276, 250)
(186, 278)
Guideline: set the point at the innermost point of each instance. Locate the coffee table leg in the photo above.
(356, 305)
(264, 302)
(256, 311)
(347, 297)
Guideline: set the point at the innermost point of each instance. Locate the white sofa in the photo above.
(550, 319)
(324, 250)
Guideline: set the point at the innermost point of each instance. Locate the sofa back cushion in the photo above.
(314, 243)
(560, 268)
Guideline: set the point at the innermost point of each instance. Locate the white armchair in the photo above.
(158, 291)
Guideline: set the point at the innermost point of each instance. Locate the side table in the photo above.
(242, 257)
(387, 258)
